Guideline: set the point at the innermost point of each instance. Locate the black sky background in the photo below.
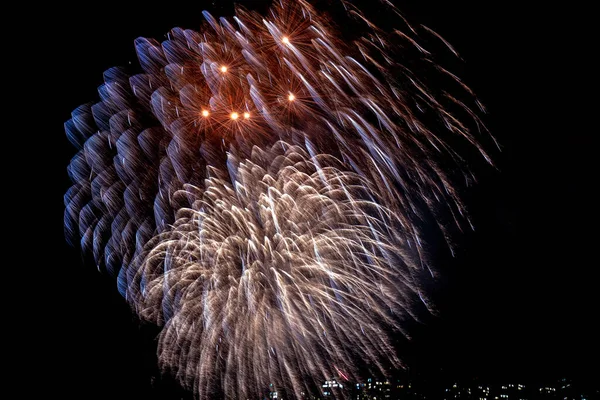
(520, 299)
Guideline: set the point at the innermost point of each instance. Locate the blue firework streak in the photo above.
(258, 191)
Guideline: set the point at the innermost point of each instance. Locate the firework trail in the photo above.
(258, 190)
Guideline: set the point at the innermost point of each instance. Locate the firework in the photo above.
(279, 272)
(259, 189)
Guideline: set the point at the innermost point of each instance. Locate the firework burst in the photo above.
(275, 274)
(259, 188)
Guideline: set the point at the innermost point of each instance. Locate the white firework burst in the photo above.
(280, 271)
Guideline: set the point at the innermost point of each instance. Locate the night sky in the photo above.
(519, 300)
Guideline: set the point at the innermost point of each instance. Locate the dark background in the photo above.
(520, 298)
